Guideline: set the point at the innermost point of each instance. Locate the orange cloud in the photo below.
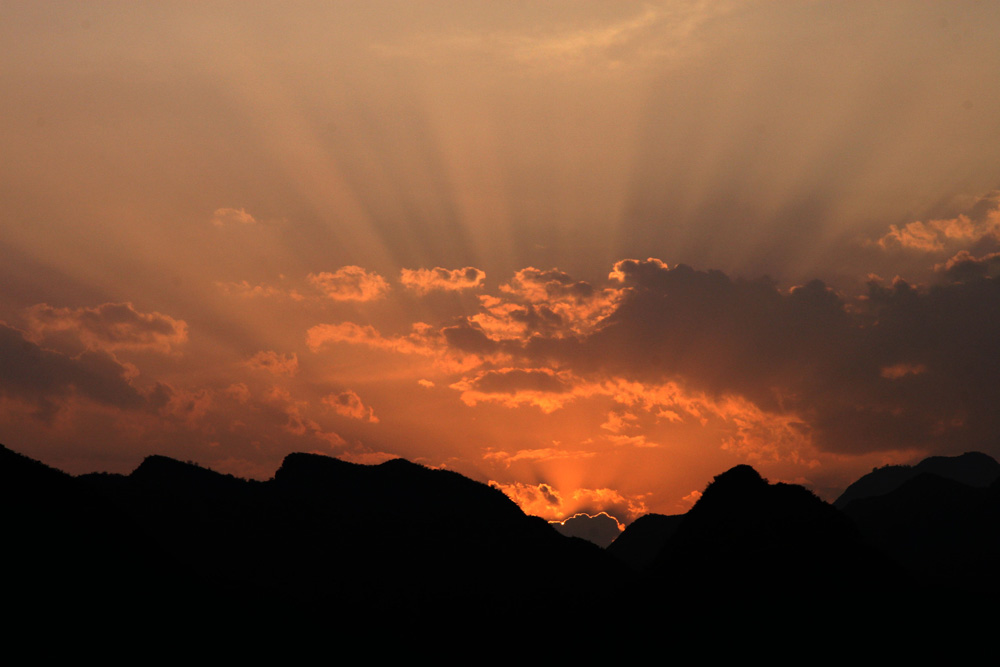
(356, 334)
(619, 421)
(278, 364)
(548, 303)
(245, 289)
(188, 406)
(691, 498)
(543, 388)
(348, 404)
(422, 341)
(934, 235)
(423, 281)
(298, 423)
(350, 283)
(232, 216)
(537, 500)
(546, 501)
(110, 326)
(542, 454)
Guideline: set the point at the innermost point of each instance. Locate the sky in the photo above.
(593, 253)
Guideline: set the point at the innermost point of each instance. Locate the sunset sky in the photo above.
(592, 252)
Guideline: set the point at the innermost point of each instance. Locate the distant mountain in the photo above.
(644, 538)
(943, 531)
(972, 468)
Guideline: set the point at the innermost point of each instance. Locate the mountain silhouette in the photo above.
(972, 468)
(398, 549)
(412, 547)
(746, 534)
(943, 531)
(644, 538)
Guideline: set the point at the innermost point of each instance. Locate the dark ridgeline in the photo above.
(644, 538)
(356, 553)
(344, 548)
(972, 468)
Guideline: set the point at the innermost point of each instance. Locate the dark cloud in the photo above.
(110, 326)
(423, 281)
(469, 338)
(902, 367)
(45, 378)
(964, 267)
(601, 529)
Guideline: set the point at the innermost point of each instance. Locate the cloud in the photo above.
(245, 289)
(421, 341)
(298, 422)
(348, 404)
(537, 500)
(350, 283)
(45, 379)
(110, 326)
(963, 266)
(601, 528)
(542, 454)
(546, 303)
(364, 456)
(937, 235)
(897, 371)
(790, 373)
(691, 498)
(417, 342)
(546, 501)
(512, 387)
(232, 216)
(619, 421)
(423, 281)
(271, 361)
(185, 405)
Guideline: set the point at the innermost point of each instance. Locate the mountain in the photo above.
(644, 538)
(395, 546)
(749, 535)
(972, 468)
(944, 532)
(174, 554)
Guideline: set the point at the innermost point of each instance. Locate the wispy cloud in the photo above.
(224, 217)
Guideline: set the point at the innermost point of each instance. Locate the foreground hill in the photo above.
(334, 549)
(395, 545)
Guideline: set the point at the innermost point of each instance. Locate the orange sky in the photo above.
(593, 252)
